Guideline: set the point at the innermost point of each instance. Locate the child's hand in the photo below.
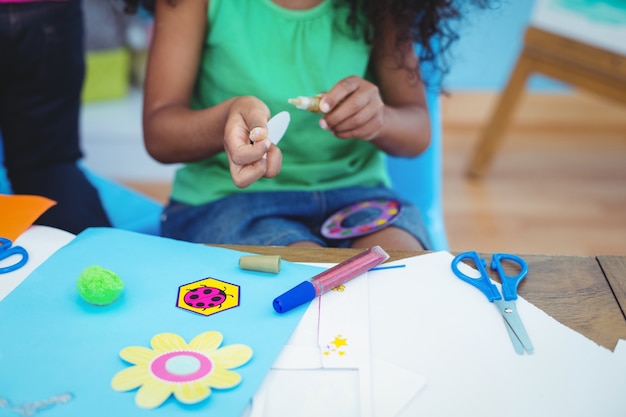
(354, 109)
(250, 153)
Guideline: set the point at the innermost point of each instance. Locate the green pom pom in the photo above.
(99, 286)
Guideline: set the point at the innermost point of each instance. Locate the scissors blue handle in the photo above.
(6, 250)
(509, 283)
(483, 283)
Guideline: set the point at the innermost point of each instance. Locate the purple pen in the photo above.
(329, 279)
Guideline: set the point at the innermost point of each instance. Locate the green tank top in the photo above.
(255, 47)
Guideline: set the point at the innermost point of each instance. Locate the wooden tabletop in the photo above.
(587, 294)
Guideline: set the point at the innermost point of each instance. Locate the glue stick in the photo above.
(311, 104)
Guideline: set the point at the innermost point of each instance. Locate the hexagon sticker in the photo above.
(208, 296)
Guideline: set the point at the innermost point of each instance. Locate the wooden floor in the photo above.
(557, 186)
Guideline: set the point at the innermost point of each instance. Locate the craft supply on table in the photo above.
(311, 104)
(19, 211)
(9, 253)
(329, 279)
(189, 372)
(32, 408)
(361, 218)
(514, 326)
(277, 126)
(261, 263)
(99, 286)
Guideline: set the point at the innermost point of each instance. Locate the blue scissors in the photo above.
(7, 250)
(506, 306)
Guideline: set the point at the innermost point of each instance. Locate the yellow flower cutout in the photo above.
(172, 366)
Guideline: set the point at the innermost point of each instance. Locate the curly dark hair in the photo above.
(427, 23)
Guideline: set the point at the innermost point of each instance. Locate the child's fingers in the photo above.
(274, 162)
(339, 93)
(247, 120)
(247, 153)
(267, 166)
(360, 114)
(257, 134)
(256, 123)
(244, 175)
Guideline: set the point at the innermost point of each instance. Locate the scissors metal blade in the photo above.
(515, 327)
(517, 344)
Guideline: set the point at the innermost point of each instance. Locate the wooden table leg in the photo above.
(581, 65)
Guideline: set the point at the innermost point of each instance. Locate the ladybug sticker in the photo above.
(205, 297)
(208, 296)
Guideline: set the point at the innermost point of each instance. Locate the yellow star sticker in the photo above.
(340, 341)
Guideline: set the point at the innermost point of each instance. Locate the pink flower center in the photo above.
(181, 366)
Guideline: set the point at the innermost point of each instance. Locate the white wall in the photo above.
(490, 41)
(113, 144)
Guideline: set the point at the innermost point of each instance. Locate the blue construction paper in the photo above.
(53, 342)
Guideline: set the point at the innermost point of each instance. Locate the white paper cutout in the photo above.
(277, 126)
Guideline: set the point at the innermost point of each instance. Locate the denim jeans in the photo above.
(42, 68)
(279, 218)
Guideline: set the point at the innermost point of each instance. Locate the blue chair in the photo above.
(127, 209)
(420, 179)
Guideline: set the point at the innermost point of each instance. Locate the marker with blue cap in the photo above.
(329, 279)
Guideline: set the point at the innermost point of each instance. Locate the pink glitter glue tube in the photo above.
(329, 279)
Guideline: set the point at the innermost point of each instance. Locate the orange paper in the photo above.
(19, 212)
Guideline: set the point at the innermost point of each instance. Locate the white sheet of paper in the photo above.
(309, 355)
(40, 242)
(430, 322)
(344, 336)
(329, 354)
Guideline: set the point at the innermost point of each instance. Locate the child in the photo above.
(42, 68)
(219, 69)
